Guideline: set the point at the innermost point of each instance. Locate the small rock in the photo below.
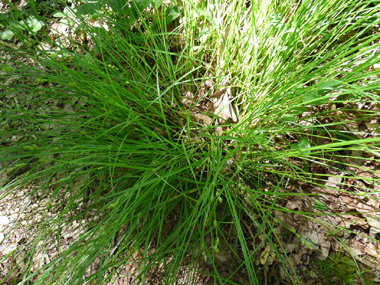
(4, 220)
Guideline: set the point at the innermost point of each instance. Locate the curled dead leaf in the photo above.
(267, 256)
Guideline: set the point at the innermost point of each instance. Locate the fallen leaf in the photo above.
(222, 106)
(188, 99)
(267, 256)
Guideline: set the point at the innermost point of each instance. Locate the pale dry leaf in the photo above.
(333, 185)
(316, 236)
(267, 256)
(206, 119)
(204, 88)
(209, 83)
(350, 220)
(374, 223)
(291, 247)
(295, 259)
(222, 106)
(188, 99)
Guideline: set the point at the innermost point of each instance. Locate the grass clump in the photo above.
(101, 127)
(339, 267)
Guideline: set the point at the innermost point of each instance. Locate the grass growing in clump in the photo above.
(339, 267)
(103, 130)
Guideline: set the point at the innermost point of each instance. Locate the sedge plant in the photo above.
(99, 130)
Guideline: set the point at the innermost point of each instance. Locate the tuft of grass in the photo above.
(101, 127)
(339, 267)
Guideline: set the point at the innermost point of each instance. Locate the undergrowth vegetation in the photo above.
(180, 131)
